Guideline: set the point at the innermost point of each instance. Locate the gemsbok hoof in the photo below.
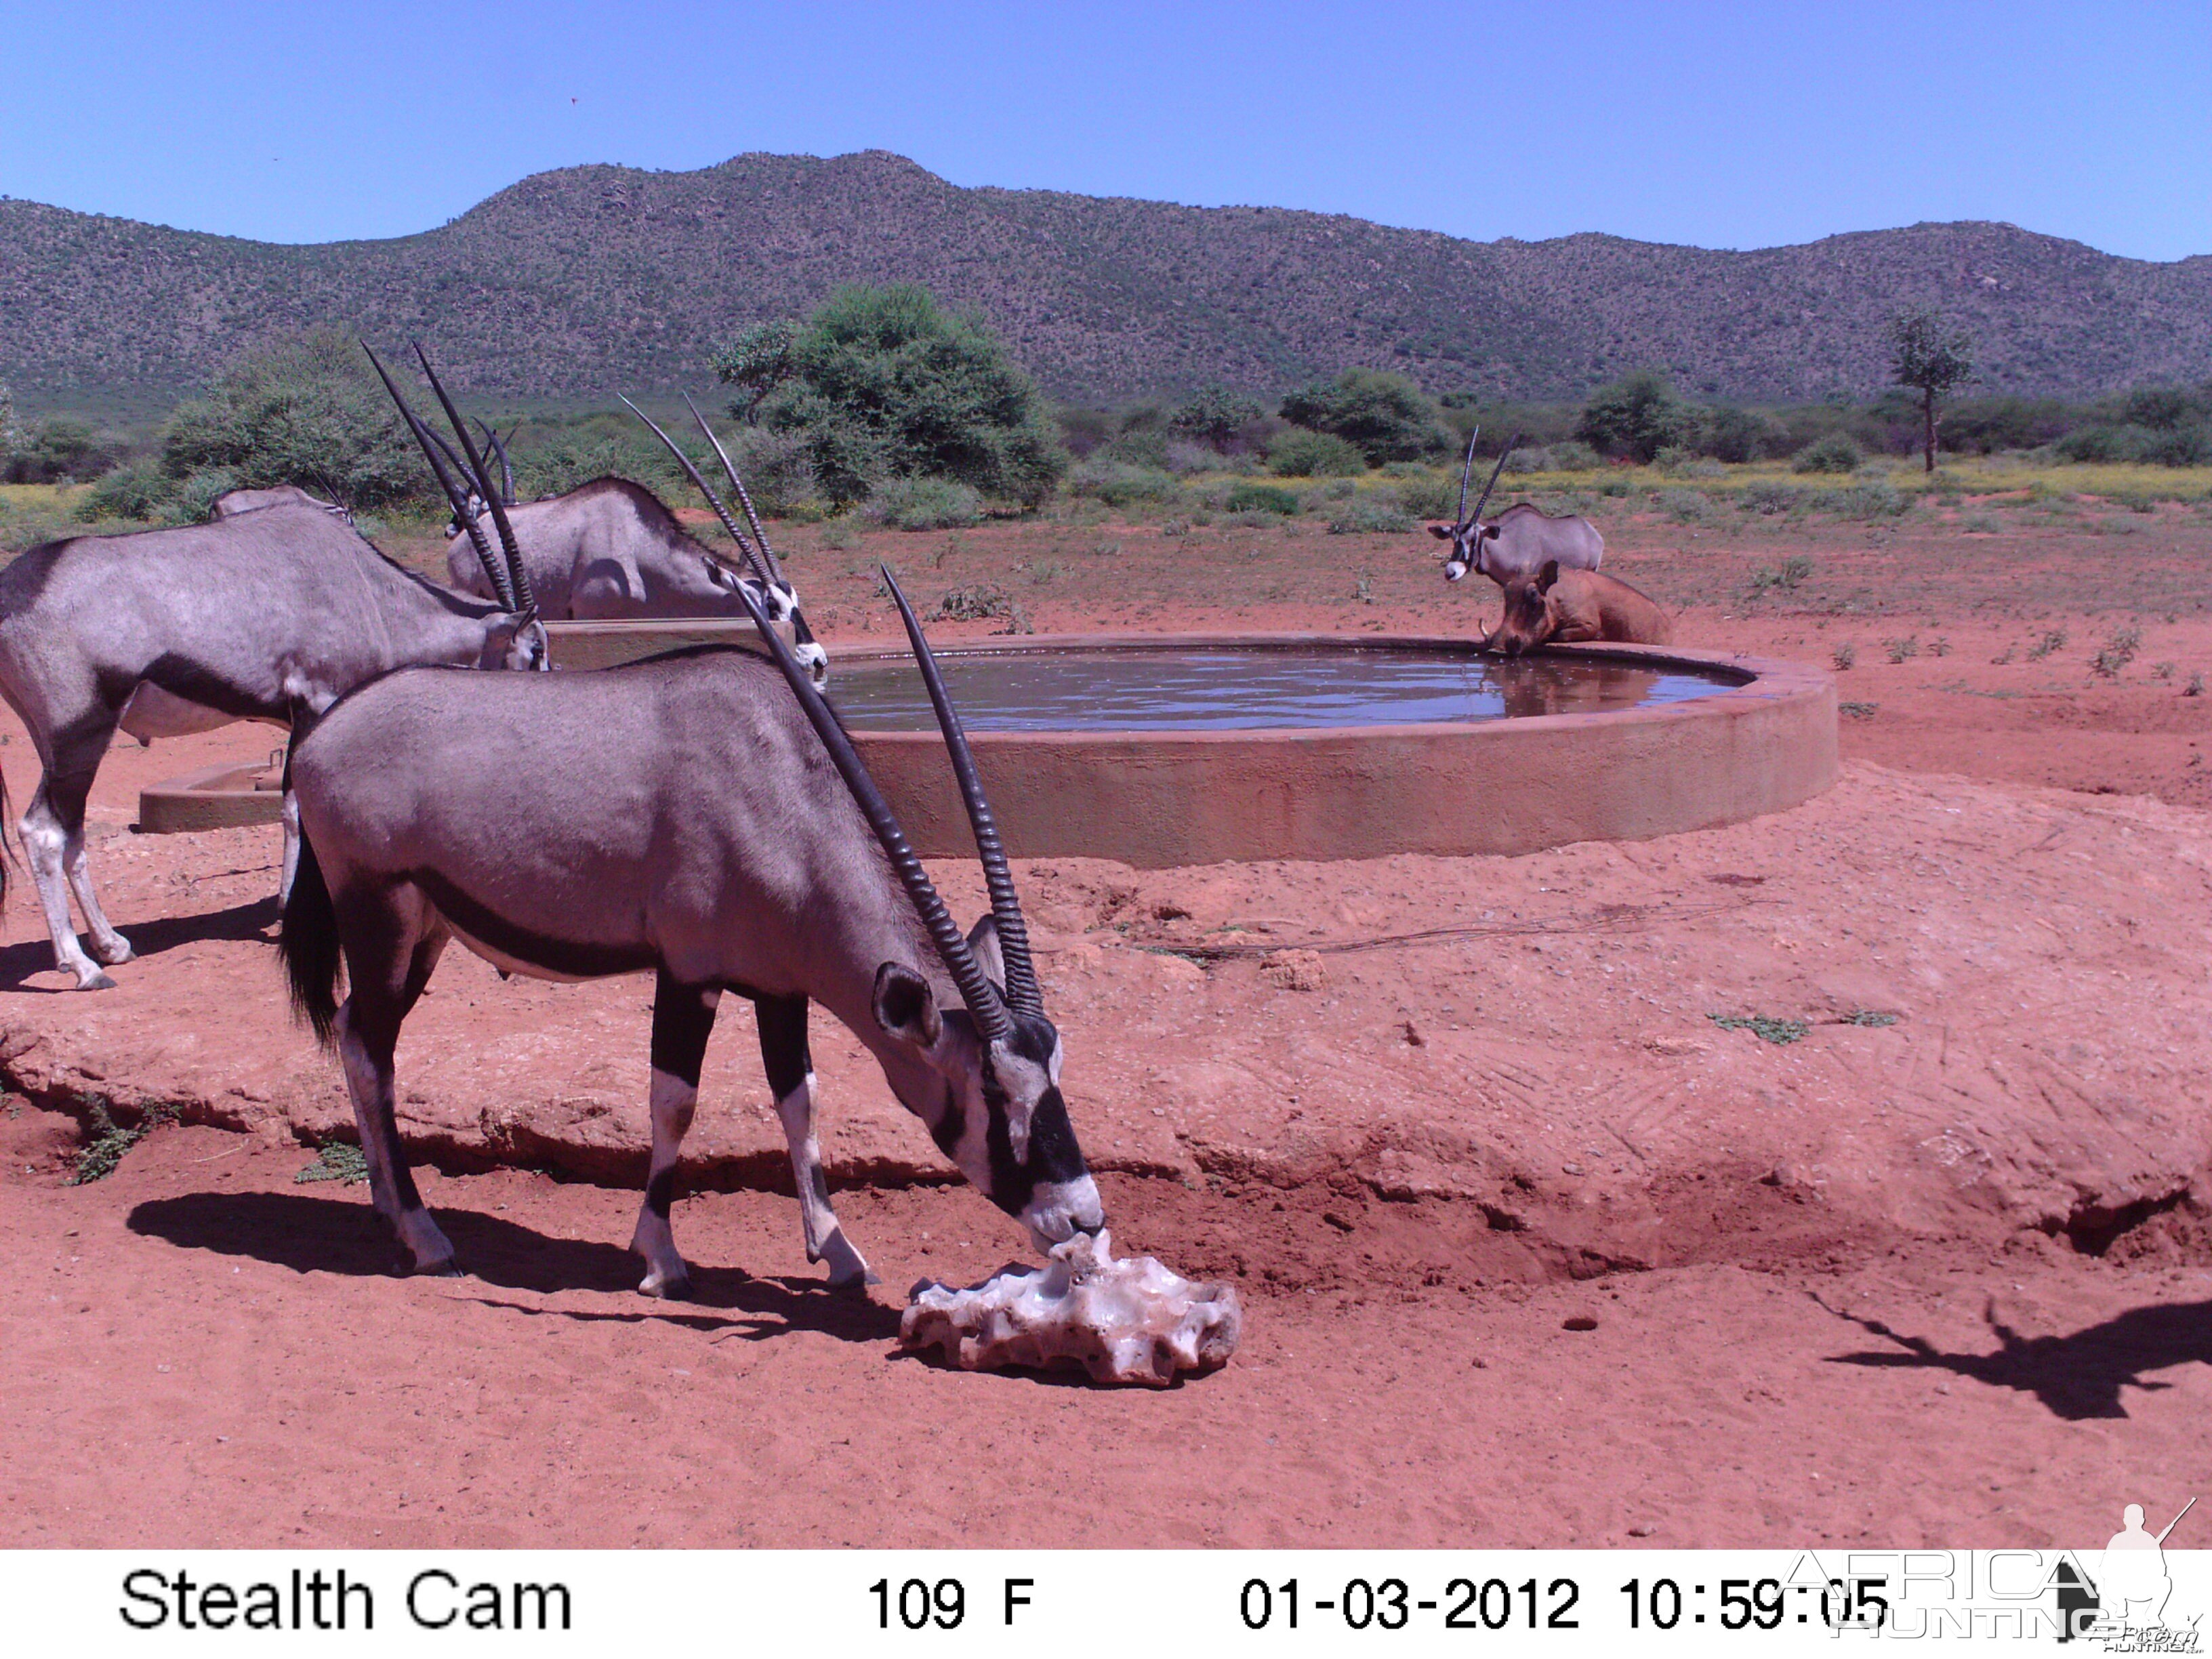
(672, 1287)
(94, 982)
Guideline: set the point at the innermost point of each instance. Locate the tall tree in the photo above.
(758, 361)
(1927, 355)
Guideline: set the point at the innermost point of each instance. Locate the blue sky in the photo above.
(1719, 125)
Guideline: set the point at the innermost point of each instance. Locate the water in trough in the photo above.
(1227, 687)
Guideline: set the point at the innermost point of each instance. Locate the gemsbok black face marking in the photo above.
(149, 633)
(703, 815)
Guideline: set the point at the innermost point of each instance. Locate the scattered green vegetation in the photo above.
(2117, 653)
(1868, 1017)
(111, 1140)
(1786, 577)
(1370, 513)
(335, 1160)
(1904, 650)
(1766, 1027)
(1858, 711)
(1844, 656)
(2053, 639)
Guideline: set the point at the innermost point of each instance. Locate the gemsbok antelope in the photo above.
(611, 548)
(1518, 542)
(270, 615)
(681, 816)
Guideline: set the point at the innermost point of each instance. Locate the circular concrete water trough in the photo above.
(1567, 746)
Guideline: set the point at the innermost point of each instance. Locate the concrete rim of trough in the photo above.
(1155, 800)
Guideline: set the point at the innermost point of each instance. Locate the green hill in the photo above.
(584, 281)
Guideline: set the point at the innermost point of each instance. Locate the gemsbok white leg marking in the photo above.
(826, 1236)
(46, 847)
(291, 846)
(107, 946)
(673, 1102)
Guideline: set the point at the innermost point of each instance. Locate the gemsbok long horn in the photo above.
(455, 496)
(525, 600)
(759, 567)
(982, 997)
(1465, 469)
(1022, 994)
(745, 495)
(1494, 471)
(506, 467)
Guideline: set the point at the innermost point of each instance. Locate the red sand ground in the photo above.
(1857, 1324)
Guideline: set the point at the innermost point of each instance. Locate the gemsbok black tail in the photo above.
(308, 942)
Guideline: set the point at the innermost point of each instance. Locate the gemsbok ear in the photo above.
(1547, 575)
(1443, 532)
(905, 1007)
(984, 940)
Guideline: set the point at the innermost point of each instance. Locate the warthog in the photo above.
(1569, 607)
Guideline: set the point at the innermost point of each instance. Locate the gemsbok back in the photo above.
(270, 615)
(700, 817)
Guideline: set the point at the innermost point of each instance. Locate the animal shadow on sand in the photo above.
(148, 938)
(336, 1235)
(2077, 1376)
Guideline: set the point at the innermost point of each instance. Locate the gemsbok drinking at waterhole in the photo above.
(612, 549)
(683, 817)
(270, 614)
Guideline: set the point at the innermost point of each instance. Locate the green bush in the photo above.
(1834, 453)
(778, 469)
(1869, 498)
(1298, 453)
(1771, 496)
(1214, 415)
(58, 450)
(1743, 435)
(140, 490)
(1144, 446)
(1637, 415)
(2186, 444)
(1261, 498)
(886, 384)
(194, 501)
(1572, 455)
(925, 504)
(1120, 485)
(303, 410)
(1386, 416)
(1684, 506)
(1430, 496)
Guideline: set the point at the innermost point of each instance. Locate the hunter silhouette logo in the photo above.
(2123, 1605)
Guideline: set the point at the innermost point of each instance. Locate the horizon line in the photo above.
(1041, 190)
